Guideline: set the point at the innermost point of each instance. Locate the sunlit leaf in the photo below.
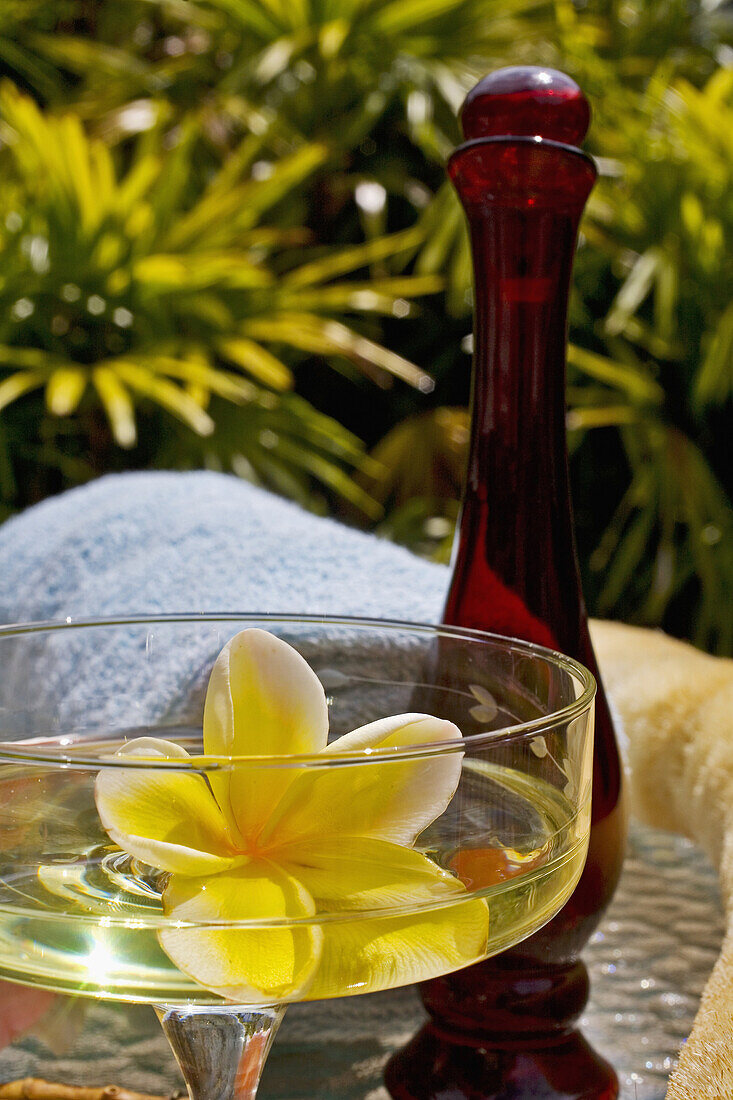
(257, 361)
(17, 385)
(635, 382)
(117, 404)
(198, 372)
(714, 381)
(198, 272)
(377, 296)
(64, 390)
(171, 397)
(323, 337)
(219, 210)
(353, 259)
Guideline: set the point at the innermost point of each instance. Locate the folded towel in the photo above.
(677, 708)
(162, 542)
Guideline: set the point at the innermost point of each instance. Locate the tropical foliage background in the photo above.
(226, 240)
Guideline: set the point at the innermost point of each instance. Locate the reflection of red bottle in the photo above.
(503, 1029)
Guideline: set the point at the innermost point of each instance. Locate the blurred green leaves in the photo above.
(141, 286)
(664, 225)
(216, 217)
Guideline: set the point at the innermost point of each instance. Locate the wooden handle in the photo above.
(35, 1088)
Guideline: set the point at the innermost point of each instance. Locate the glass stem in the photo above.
(221, 1049)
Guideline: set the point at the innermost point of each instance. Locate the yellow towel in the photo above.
(676, 707)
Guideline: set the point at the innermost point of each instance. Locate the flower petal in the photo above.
(391, 799)
(247, 965)
(263, 699)
(167, 818)
(379, 952)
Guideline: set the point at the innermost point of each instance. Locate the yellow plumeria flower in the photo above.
(282, 842)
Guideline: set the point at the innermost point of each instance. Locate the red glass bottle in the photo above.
(503, 1029)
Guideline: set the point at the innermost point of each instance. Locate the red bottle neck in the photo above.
(516, 569)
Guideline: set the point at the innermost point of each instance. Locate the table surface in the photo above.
(648, 962)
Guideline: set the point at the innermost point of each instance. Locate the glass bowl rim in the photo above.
(203, 763)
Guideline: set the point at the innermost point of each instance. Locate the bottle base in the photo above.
(437, 1066)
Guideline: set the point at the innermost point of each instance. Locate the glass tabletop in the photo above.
(648, 962)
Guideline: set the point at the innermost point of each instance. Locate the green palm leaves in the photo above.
(138, 285)
(665, 223)
(352, 61)
(216, 215)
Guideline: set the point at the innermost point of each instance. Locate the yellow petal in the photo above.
(167, 818)
(417, 941)
(391, 799)
(263, 699)
(247, 965)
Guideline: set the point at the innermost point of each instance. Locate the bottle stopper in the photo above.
(526, 101)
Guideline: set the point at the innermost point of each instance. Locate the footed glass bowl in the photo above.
(221, 815)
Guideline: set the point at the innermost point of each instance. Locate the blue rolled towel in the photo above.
(150, 543)
(170, 542)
